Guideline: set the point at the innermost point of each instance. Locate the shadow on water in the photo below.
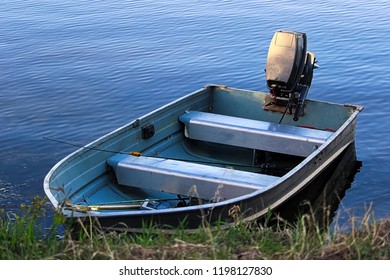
(321, 199)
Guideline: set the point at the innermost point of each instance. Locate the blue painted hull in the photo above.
(95, 182)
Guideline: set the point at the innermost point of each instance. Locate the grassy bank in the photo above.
(21, 237)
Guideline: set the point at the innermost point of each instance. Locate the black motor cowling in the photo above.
(289, 69)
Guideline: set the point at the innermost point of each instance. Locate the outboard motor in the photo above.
(289, 70)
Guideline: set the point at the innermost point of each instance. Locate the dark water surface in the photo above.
(75, 70)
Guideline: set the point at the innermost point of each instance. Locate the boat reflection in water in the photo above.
(320, 200)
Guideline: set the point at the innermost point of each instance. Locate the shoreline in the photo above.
(21, 238)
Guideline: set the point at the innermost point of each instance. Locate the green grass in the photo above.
(22, 237)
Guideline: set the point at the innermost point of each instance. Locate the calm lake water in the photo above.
(75, 70)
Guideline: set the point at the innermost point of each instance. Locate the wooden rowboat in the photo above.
(213, 155)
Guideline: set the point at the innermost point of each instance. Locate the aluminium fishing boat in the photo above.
(212, 156)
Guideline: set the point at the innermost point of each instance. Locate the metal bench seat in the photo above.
(254, 134)
(186, 178)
